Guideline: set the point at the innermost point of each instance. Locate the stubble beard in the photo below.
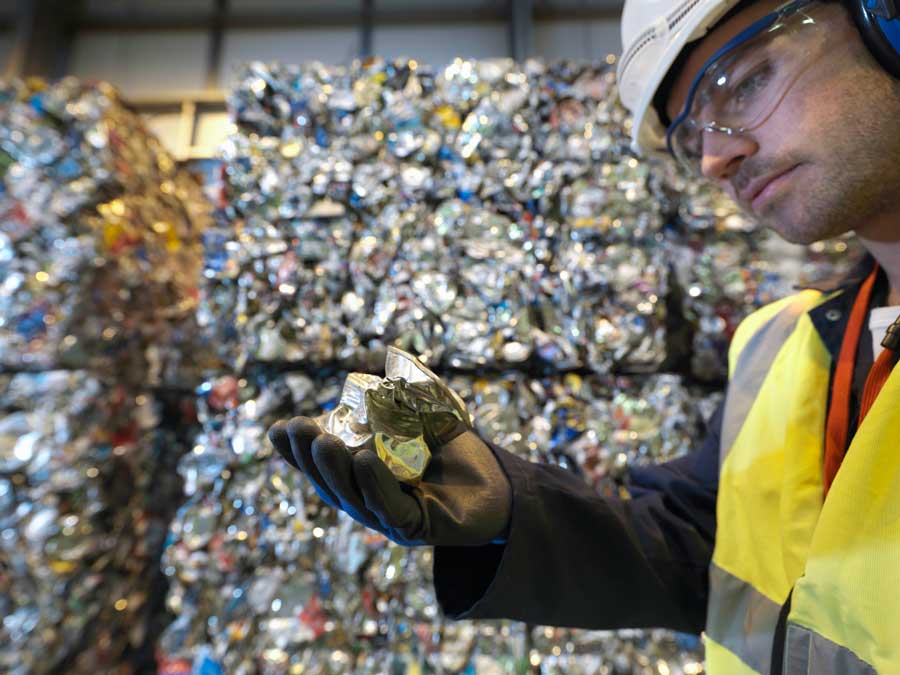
(850, 185)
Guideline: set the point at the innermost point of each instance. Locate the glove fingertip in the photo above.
(328, 444)
(278, 437)
(303, 428)
(277, 433)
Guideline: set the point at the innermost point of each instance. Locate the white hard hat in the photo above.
(653, 34)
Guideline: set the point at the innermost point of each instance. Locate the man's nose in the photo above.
(723, 154)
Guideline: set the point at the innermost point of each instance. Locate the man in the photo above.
(781, 534)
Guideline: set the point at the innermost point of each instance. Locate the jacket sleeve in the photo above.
(578, 559)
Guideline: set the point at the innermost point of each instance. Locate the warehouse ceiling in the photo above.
(43, 31)
(159, 14)
(186, 7)
(124, 11)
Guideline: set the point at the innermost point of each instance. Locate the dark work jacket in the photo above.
(575, 558)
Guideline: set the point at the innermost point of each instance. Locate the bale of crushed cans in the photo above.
(479, 216)
(99, 239)
(86, 497)
(100, 256)
(484, 215)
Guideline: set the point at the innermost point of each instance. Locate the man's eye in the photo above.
(751, 85)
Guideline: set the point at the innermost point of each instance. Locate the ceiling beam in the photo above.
(216, 38)
(204, 100)
(367, 28)
(521, 29)
(44, 33)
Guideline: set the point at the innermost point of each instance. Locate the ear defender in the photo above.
(879, 24)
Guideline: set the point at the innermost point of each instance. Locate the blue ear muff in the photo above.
(879, 24)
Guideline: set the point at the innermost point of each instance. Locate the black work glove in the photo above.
(463, 499)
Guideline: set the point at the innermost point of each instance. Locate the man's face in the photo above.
(824, 162)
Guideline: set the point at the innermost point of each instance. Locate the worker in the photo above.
(778, 537)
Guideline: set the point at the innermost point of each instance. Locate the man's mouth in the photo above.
(763, 188)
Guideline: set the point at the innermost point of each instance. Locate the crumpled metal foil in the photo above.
(402, 416)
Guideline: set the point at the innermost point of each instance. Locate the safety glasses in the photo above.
(738, 89)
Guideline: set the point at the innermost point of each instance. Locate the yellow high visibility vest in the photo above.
(842, 559)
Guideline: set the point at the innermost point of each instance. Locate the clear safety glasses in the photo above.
(737, 90)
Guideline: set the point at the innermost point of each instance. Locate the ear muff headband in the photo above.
(879, 24)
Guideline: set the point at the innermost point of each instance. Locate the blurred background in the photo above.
(173, 60)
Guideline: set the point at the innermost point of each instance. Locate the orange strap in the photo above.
(879, 374)
(839, 412)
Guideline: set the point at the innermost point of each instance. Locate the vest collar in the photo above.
(831, 317)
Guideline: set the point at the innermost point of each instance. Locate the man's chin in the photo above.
(794, 237)
(799, 228)
(789, 230)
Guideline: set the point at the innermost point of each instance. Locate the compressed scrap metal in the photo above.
(485, 215)
(100, 245)
(100, 257)
(86, 495)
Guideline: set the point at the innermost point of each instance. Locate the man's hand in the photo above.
(464, 498)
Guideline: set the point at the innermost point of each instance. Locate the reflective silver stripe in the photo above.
(741, 619)
(808, 653)
(752, 367)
